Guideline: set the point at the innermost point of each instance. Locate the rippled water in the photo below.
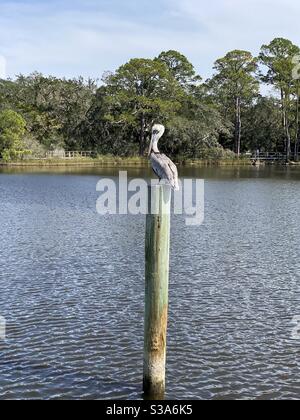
(72, 289)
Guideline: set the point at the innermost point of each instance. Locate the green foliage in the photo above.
(234, 87)
(12, 130)
(189, 138)
(203, 120)
(53, 108)
(278, 58)
(235, 75)
(180, 67)
(140, 93)
(262, 124)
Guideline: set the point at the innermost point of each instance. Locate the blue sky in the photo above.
(87, 37)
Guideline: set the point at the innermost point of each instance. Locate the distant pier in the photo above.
(272, 157)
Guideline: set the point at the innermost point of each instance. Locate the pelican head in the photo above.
(157, 133)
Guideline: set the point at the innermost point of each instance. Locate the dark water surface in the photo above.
(72, 289)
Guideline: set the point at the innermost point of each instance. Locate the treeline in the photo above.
(227, 115)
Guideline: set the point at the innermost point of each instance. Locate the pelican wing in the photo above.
(174, 170)
(165, 169)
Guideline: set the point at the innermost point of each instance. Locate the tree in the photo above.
(12, 130)
(194, 132)
(180, 67)
(296, 94)
(98, 133)
(194, 138)
(138, 94)
(262, 126)
(52, 107)
(7, 93)
(202, 119)
(234, 86)
(278, 57)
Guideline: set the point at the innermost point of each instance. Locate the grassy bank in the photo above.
(121, 161)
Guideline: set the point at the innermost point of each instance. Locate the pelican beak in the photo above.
(151, 145)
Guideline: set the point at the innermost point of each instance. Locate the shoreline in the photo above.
(123, 162)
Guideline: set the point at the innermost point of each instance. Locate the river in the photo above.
(72, 288)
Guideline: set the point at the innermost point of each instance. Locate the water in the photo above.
(72, 289)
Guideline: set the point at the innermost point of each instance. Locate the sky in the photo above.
(88, 37)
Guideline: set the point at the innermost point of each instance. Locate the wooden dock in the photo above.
(269, 157)
(69, 154)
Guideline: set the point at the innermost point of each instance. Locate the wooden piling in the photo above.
(157, 285)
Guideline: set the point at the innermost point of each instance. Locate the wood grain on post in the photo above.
(157, 285)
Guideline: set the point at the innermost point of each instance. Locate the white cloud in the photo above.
(79, 42)
(87, 38)
(235, 23)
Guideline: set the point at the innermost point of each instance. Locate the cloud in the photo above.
(234, 23)
(74, 41)
(88, 37)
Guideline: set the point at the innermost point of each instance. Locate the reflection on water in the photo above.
(72, 288)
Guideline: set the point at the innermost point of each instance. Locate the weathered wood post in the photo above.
(157, 287)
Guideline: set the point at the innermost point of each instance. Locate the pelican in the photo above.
(162, 166)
